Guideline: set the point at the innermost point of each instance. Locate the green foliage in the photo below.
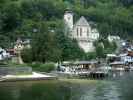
(69, 47)
(47, 67)
(44, 45)
(103, 47)
(126, 2)
(91, 55)
(114, 19)
(4, 41)
(27, 56)
(10, 64)
(100, 51)
(18, 18)
(37, 19)
(35, 65)
(50, 43)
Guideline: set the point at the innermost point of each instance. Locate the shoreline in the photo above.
(78, 81)
(33, 77)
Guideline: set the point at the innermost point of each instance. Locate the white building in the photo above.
(3, 54)
(82, 31)
(20, 45)
(112, 38)
(126, 58)
(68, 18)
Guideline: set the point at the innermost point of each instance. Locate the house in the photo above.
(126, 58)
(80, 66)
(112, 38)
(83, 31)
(124, 62)
(117, 65)
(18, 47)
(4, 54)
(112, 57)
(21, 44)
(130, 53)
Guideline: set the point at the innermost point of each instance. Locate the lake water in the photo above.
(115, 89)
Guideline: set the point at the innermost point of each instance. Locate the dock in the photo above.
(93, 74)
(84, 69)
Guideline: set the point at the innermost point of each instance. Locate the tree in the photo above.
(27, 55)
(4, 41)
(41, 20)
(91, 55)
(100, 51)
(70, 48)
(44, 46)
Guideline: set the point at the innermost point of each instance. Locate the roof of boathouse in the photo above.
(81, 63)
(117, 63)
(85, 62)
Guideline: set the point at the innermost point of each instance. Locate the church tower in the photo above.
(68, 18)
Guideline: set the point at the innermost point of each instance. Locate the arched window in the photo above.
(77, 32)
(80, 31)
(87, 31)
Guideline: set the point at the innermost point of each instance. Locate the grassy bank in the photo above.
(41, 67)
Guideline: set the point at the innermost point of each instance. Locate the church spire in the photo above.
(68, 18)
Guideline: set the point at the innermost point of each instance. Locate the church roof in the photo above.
(82, 22)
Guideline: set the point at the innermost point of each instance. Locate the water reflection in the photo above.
(118, 89)
(99, 91)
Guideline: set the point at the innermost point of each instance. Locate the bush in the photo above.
(91, 55)
(47, 67)
(35, 65)
(26, 55)
(100, 51)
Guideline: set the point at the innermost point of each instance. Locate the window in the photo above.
(69, 17)
(87, 32)
(94, 36)
(77, 32)
(80, 31)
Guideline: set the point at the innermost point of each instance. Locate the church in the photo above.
(83, 31)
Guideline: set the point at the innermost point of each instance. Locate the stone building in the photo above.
(83, 31)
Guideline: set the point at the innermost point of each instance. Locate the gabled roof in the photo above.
(82, 22)
(81, 62)
(117, 63)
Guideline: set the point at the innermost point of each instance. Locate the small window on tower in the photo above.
(69, 18)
